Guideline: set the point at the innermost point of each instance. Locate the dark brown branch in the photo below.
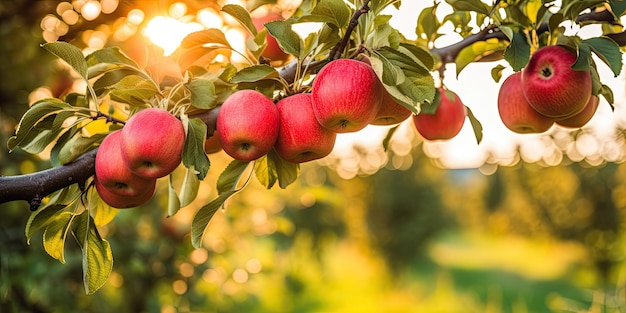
(33, 187)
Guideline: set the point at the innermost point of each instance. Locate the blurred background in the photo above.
(536, 228)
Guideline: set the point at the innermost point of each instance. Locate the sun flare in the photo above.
(168, 33)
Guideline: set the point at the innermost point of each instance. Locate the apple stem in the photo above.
(337, 50)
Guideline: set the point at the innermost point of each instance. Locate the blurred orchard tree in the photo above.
(79, 71)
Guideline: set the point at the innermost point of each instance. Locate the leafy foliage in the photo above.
(204, 75)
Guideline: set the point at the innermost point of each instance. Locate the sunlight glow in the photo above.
(167, 32)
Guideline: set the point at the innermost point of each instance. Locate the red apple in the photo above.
(212, 144)
(550, 84)
(122, 202)
(346, 95)
(515, 111)
(580, 119)
(390, 112)
(247, 125)
(447, 120)
(272, 50)
(115, 183)
(152, 143)
(300, 137)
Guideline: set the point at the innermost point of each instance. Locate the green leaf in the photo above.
(469, 5)
(418, 84)
(193, 150)
(608, 51)
(39, 219)
(517, 53)
(204, 215)
(254, 4)
(55, 234)
(78, 146)
(618, 7)
(388, 137)
(189, 189)
(428, 24)
(70, 54)
(287, 172)
(202, 93)
(477, 51)
(206, 37)
(334, 12)
(287, 39)
(390, 74)
(112, 55)
(265, 171)
(476, 125)
(229, 178)
(101, 212)
(255, 73)
(133, 90)
(572, 9)
(97, 255)
(607, 93)
(40, 111)
(533, 7)
(242, 16)
(173, 203)
(583, 61)
(63, 140)
(496, 72)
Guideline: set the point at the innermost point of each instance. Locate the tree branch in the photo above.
(34, 187)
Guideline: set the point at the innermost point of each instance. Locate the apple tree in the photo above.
(273, 111)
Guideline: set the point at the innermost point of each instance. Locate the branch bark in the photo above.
(33, 187)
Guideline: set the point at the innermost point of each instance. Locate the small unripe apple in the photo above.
(247, 125)
(550, 84)
(515, 111)
(272, 50)
(346, 95)
(447, 120)
(212, 144)
(117, 185)
(152, 143)
(582, 118)
(300, 137)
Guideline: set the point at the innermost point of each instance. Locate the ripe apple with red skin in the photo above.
(247, 125)
(550, 84)
(123, 201)
(515, 111)
(212, 144)
(346, 95)
(300, 137)
(152, 143)
(582, 118)
(447, 120)
(116, 184)
(390, 112)
(272, 50)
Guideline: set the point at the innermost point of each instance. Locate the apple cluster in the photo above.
(345, 96)
(130, 160)
(547, 91)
